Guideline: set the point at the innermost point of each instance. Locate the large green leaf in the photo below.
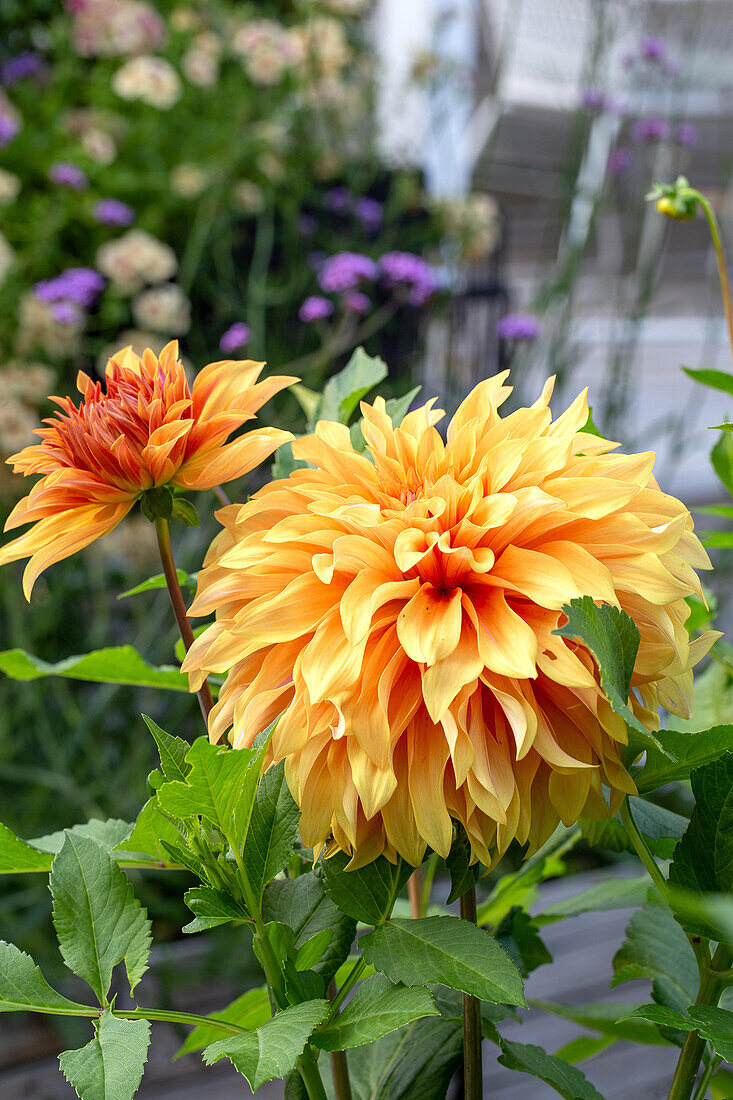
(343, 391)
(656, 948)
(444, 950)
(612, 638)
(521, 887)
(24, 988)
(16, 856)
(614, 1020)
(721, 458)
(108, 834)
(715, 379)
(304, 906)
(518, 934)
(220, 787)
(368, 893)
(712, 1023)
(249, 1011)
(110, 1067)
(378, 1007)
(612, 893)
(565, 1079)
(686, 751)
(98, 920)
(703, 859)
(273, 1049)
(114, 665)
(273, 829)
(661, 827)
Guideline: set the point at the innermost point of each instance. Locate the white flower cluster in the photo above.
(136, 259)
(267, 50)
(116, 28)
(23, 386)
(152, 80)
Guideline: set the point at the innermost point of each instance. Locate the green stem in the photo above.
(688, 1064)
(720, 256)
(414, 892)
(641, 849)
(707, 1076)
(179, 607)
(308, 1067)
(340, 1075)
(179, 1018)
(353, 977)
(430, 868)
(473, 1086)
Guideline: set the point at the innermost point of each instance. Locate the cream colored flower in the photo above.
(9, 187)
(188, 180)
(38, 330)
(134, 259)
(163, 309)
(150, 79)
(249, 196)
(17, 423)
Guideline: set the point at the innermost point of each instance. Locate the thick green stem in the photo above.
(179, 607)
(709, 992)
(473, 1086)
(340, 1075)
(706, 1078)
(308, 1067)
(179, 1018)
(356, 972)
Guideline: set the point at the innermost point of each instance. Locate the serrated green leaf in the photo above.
(614, 1020)
(711, 1022)
(377, 1008)
(463, 874)
(114, 665)
(344, 390)
(304, 906)
(444, 950)
(109, 834)
(520, 887)
(661, 828)
(149, 832)
(518, 934)
(273, 1049)
(687, 750)
(565, 1079)
(219, 787)
(612, 893)
(398, 407)
(311, 952)
(186, 580)
(703, 859)
(110, 1067)
(249, 1011)
(584, 1047)
(171, 752)
(211, 908)
(273, 829)
(24, 988)
(367, 893)
(714, 379)
(656, 948)
(98, 919)
(612, 639)
(16, 856)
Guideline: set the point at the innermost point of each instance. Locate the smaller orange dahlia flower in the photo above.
(398, 608)
(146, 429)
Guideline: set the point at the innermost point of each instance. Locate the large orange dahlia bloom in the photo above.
(147, 429)
(399, 607)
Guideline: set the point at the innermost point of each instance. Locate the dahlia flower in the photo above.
(397, 608)
(145, 429)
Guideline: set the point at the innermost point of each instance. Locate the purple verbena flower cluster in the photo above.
(620, 160)
(72, 291)
(8, 128)
(345, 270)
(518, 326)
(365, 209)
(66, 174)
(114, 212)
(315, 308)
(407, 269)
(651, 129)
(356, 302)
(27, 63)
(236, 336)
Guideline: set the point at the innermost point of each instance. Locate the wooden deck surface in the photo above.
(582, 950)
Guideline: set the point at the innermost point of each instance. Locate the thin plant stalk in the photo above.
(414, 891)
(688, 1064)
(720, 257)
(473, 1087)
(179, 607)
